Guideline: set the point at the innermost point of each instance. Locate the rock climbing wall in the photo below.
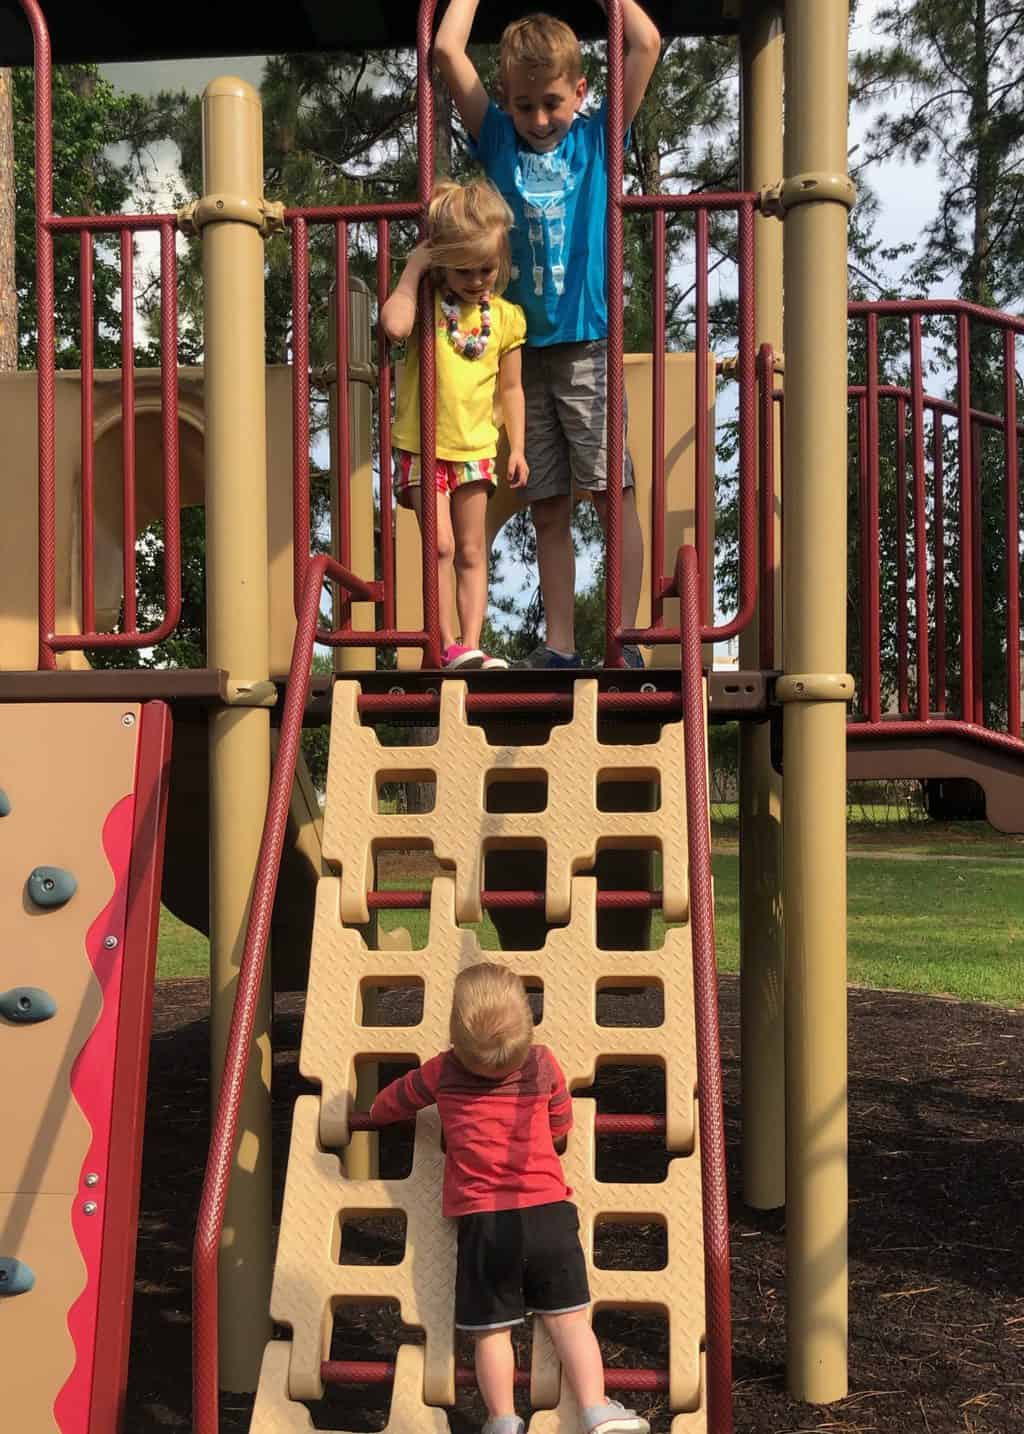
(81, 813)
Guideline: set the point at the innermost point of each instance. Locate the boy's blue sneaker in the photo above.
(543, 656)
(632, 656)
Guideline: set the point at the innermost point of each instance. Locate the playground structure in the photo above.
(605, 769)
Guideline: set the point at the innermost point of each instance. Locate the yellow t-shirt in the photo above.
(465, 387)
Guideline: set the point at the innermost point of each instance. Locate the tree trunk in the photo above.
(8, 285)
(986, 170)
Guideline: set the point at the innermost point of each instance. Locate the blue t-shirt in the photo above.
(560, 203)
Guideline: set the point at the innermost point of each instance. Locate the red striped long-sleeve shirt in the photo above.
(499, 1134)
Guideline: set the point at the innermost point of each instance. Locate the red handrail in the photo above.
(222, 1143)
(714, 1197)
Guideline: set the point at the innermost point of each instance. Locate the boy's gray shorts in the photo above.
(566, 403)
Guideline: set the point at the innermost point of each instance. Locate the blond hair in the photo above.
(491, 1021)
(467, 226)
(540, 42)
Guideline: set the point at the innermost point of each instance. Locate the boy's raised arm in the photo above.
(457, 68)
(643, 48)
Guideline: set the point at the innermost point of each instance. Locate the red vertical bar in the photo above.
(169, 416)
(88, 455)
(616, 445)
(128, 428)
(873, 657)
(300, 406)
(977, 450)
(748, 418)
(920, 519)
(965, 456)
(387, 517)
(864, 549)
(343, 537)
(1012, 533)
(939, 521)
(702, 476)
(428, 382)
(902, 613)
(766, 544)
(657, 556)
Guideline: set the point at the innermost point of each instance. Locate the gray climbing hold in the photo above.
(51, 886)
(15, 1278)
(27, 1005)
(5, 804)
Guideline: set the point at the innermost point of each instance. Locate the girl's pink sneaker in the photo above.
(457, 656)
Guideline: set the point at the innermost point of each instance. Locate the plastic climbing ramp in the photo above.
(324, 1188)
(82, 800)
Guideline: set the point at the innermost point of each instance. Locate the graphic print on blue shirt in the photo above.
(545, 181)
(559, 200)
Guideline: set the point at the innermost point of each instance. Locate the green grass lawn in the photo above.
(925, 925)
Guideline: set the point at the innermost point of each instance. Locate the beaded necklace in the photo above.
(470, 345)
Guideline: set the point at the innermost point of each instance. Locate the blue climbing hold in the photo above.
(15, 1278)
(5, 804)
(27, 1005)
(51, 886)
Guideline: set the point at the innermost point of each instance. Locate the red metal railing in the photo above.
(48, 225)
(922, 663)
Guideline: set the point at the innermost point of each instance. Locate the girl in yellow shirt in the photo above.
(479, 337)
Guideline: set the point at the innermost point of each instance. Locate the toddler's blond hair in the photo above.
(540, 42)
(467, 226)
(491, 1022)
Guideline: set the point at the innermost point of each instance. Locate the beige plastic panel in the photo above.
(677, 1291)
(309, 1283)
(36, 1350)
(64, 768)
(570, 967)
(276, 1413)
(461, 831)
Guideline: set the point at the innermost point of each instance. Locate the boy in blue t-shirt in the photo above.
(550, 165)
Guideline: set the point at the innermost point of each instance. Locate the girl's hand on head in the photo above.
(518, 470)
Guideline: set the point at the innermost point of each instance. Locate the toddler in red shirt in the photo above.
(506, 1112)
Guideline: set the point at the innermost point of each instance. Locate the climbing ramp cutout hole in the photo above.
(520, 791)
(372, 1238)
(640, 1004)
(397, 1001)
(399, 793)
(630, 1242)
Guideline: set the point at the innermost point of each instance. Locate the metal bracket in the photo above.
(266, 215)
(815, 687)
(816, 186)
(257, 693)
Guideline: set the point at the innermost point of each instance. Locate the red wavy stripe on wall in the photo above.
(92, 1081)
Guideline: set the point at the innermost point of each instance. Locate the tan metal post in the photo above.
(762, 943)
(362, 1149)
(230, 217)
(815, 195)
